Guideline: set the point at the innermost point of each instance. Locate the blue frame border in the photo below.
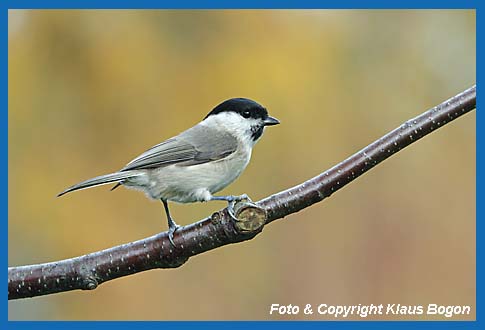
(236, 4)
(241, 4)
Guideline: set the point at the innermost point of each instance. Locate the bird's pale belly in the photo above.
(186, 184)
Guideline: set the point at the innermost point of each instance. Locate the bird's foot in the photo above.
(232, 203)
(231, 200)
(242, 197)
(171, 230)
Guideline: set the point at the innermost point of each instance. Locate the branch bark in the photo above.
(88, 271)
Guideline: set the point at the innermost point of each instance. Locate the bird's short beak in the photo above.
(270, 121)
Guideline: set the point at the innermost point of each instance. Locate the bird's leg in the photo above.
(231, 201)
(172, 226)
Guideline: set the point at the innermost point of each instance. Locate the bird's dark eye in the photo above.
(246, 114)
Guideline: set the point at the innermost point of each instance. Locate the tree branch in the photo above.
(88, 271)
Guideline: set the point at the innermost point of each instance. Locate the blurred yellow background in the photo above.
(90, 90)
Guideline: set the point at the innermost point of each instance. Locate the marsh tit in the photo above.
(198, 162)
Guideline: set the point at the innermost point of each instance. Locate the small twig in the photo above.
(88, 271)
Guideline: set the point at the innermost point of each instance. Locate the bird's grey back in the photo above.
(197, 145)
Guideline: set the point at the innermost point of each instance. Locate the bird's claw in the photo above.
(234, 201)
(242, 197)
(171, 231)
(230, 209)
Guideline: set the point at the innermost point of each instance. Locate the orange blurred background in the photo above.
(91, 89)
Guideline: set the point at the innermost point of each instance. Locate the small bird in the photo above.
(198, 162)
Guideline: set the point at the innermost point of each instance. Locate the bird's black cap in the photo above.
(245, 107)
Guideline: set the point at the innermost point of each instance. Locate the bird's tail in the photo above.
(100, 180)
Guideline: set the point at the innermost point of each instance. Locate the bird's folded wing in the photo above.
(199, 144)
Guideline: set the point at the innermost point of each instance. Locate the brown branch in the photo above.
(88, 271)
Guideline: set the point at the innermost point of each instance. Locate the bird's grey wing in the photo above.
(199, 144)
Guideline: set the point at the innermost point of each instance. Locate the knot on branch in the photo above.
(250, 218)
(89, 283)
